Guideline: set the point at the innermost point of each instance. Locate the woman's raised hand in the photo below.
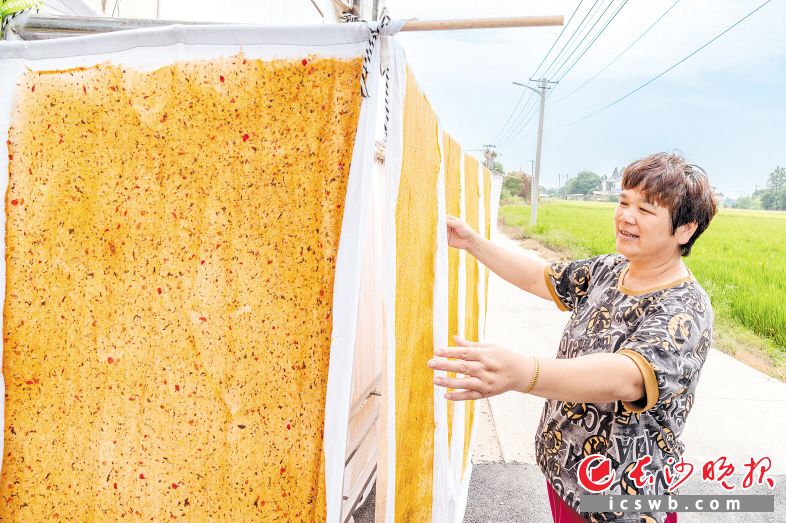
(488, 370)
(460, 234)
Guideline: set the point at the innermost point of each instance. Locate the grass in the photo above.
(740, 261)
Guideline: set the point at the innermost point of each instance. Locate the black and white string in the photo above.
(7, 19)
(374, 33)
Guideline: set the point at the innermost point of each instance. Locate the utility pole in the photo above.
(544, 84)
(490, 155)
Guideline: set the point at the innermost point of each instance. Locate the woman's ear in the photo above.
(685, 232)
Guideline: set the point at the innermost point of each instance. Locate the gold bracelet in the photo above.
(535, 376)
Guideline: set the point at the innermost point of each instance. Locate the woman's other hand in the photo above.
(488, 369)
(460, 234)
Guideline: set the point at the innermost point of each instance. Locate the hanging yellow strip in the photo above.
(416, 247)
(471, 197)
(487, 200)
(487, 207)
(453, 160)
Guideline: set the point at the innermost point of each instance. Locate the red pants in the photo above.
(561, 512)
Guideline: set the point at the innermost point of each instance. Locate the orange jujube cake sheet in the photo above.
(171, 248)
(416, 248)
(453, 159)
(472, 307)
(487, 214)
(487, 201)
(472, 217)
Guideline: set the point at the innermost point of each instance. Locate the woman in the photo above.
(630, 357)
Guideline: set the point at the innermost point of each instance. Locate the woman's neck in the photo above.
(654, 273)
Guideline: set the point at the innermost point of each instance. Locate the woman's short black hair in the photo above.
(668, 180)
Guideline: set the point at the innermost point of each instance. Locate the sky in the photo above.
(723, 109)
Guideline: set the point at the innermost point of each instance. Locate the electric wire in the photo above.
(529, 109)
(506, 131)
(645, 84)
(510, 117)
(503, 131)
(522, 116)
(557, 39)
(569, 42)
(608, 22)
(526, 119)
(619, 55)
(578, 45)
(526, 116)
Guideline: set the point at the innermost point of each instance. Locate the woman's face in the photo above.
(643, 229)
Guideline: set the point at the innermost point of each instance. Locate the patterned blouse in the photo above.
(667, 332)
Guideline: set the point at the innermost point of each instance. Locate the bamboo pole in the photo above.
(82, 24)
(482, 23)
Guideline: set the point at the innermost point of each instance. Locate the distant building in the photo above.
(720, 198)
(610, 187)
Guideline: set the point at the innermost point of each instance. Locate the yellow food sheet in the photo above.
(171, 250)
(472, 217)
(416, 247)
(487, 211)
(453, 159)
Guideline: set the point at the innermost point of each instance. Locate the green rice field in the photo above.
(740, 259)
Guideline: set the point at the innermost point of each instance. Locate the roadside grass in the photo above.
(740, 261)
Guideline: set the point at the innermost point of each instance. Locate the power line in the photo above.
(534, 74)
(513, 132)
(527, 92)
(593, 40)
(527, 113)
(645, 84)
(531, 114)
(548, 95)
(525, 125)
(521, 117)
(621, 54)
(527, 118)
(580, 28)
(510, 116)
(576, 47)
(515, 129)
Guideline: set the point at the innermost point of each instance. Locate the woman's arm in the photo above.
(514, 267)
(492, 370)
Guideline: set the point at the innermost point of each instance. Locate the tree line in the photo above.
(520, 184)
(772, 197)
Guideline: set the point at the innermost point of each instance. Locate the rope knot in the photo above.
(374, 33)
